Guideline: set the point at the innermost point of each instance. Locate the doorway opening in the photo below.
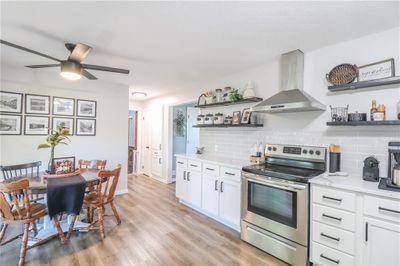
(185, 138)
(133, 166)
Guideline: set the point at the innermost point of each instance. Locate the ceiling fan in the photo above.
(72, 68)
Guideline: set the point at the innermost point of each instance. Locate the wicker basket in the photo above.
(47, 175)
(342, 74)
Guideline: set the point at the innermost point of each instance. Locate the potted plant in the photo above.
(54, 138)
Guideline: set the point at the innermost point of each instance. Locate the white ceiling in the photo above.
(170, 46)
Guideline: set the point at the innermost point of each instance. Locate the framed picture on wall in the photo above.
(37, 104)
(85, 127)
(10, 124)
(245, 116)
(10, 102)
(85, 108)
(36, 125)
(236, 118)
(66, 121)
(63, 106)
(377, 70)
(64, 165)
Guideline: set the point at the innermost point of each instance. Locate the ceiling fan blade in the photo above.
(88, 75)
(80, 52)
(104, 68)
(43, 66)
(28, 50)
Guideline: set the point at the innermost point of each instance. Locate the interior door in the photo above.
(229, 200)
(192, 133)
(194, 188)
(210, 194)
(156, 128)
(146, 156)
(382, 243)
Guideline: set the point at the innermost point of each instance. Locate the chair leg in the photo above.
(114, 209)
(91, 215)
(101, 223)
(24, 245)
(59, 230)
(3, 232)
(34, 227)
(71, 227)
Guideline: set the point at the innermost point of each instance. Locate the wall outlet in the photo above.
(215, 148)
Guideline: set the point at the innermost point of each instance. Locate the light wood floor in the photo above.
(156, 230)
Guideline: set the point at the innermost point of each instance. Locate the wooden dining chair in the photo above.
(102, 195)
(92, 164)
(20, 213)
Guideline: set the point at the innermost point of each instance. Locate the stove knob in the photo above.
(274, 148)
(305, 151)
(269, 148)
(318, 153)
(311, 152)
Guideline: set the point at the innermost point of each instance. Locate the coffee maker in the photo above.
(394, 164)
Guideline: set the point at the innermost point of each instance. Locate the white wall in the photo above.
(309, 128)
(110, 142)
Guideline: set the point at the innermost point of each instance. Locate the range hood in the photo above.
(292, 97)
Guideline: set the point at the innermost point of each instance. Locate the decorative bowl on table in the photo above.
(46, 174)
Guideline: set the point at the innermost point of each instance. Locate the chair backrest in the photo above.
(106, 187)
(13, 187)
(21, 170)
(92, 164)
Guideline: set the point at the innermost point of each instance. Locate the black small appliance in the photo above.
(371, 169)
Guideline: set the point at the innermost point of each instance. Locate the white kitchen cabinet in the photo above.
(210, 197)
(181, 184)
(193, 192)
(229, 201)
(382, 243)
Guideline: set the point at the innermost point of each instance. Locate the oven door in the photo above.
(277, 206)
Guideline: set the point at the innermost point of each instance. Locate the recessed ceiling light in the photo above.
(138, 94)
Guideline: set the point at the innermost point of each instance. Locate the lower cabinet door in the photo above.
(229, 201)
(181, 183)
(194, 188)
(210, 194)
(382, 243)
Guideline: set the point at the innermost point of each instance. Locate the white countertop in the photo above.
(223, 161)
(354, 183)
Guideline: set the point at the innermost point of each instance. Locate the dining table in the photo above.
(47, 230)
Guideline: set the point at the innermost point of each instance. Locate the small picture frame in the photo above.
(236, 118)
(36, 125)
(85, 127)
(10, 124)
(63, 106)
(246, 113)
(64, 165)
(68, 123)
(85, 108)
(37, 104)
(11, 102)
(377, 70)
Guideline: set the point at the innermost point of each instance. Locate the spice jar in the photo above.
(218, 119)
(209, 119)
(200, 119)
(228, 120)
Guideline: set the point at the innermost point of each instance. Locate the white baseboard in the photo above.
(121, 191)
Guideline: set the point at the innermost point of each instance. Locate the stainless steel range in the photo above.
(275, 197)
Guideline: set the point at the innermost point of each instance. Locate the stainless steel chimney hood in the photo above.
(291, 98)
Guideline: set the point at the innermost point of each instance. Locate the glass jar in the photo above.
(218, 95)
(209, 119)
(219, 119)
(200, 119)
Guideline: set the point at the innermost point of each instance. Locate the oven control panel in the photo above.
(303, 152)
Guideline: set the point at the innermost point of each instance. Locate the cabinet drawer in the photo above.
(382, 208)
(333, 237)
(211, 169)
(334, 217)
(334, 198)
(322, 255)
(180, 162)
(231, 173)
(194, 166)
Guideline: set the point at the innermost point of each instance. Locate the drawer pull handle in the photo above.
(210, 169)
(184, 175)
(330, 198)
(331, 237)
(331, 260)
(222, 188)
(216, 185)
(188, 176)
(388, 210)
(227, 173)
(180, 162)
(193, 165)
(332, 217)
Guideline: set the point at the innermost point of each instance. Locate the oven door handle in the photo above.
(287, 186)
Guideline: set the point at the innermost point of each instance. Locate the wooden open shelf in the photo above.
(365, 123)
(222, 125)
(248, 100)
(365, 84)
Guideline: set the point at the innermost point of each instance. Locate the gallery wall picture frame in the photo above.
(64, 165)
(377, 70)
(85, 127)
(36, 125)
(86, 108)
(10, 124)
(236, 118)
(68, 123)
(37, 104)
(11, 102)
(63, 106)
(246, 113)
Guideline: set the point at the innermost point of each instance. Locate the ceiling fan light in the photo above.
(71, 75)
(71, 70)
